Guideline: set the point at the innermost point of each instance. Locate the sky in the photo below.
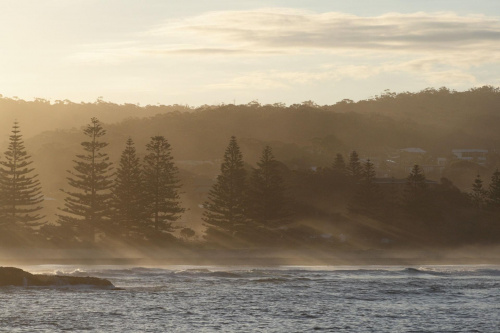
(225, 51)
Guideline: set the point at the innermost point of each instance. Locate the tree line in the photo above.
(141, 198)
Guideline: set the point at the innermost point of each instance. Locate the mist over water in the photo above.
(262, 299)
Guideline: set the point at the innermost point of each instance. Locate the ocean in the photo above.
(260, 299)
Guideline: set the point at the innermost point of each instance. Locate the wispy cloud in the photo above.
(297, 30)
(440, 48)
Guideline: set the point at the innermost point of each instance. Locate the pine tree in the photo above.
(20, 189)
(479, 194)
(354, 168)
(367, 198)
(161, 185)
(416, 179)
(494, 191)
(339, 166)
(267, 201)
(128, 190)
(416, 196)
(89, 206)
(225, 210)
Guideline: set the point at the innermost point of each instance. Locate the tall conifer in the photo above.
(225, 209)
(479, 194)
(267, 201)
(417, 196)
(128, 190)
(367, 198)
(161, 184)
(494, 191)
(339, 166)
(91, 178)
(354, 168)
(20, 190)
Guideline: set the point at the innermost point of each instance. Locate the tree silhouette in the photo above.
(267, 201)
(479, 194)
(339, 166)
(128, 191)
(20, 189)
(225, 209)
(91, 177)
(494, 191)
(367, 197)
(161, 185)
(417, 198)
(354, 168)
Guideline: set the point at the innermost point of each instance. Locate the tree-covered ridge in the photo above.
(304, 135)
(42, 115)
(429, 118)
(324, 157)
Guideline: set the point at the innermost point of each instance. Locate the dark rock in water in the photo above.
(11, 276)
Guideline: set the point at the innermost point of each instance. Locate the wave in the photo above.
(204, 272)
(489, 272)
(453, 271)
(420, 271)
(271, 280)
(195, 270)
(74, 272)
(224, 274)
(136, 275)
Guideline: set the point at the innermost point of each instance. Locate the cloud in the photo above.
(200, 51)
(440, 48)
(288, 30)
(284, 30)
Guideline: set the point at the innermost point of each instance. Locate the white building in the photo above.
(473, 155)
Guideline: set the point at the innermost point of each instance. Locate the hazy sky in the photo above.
(197, 52)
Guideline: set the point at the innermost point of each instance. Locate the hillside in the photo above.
(302, 136)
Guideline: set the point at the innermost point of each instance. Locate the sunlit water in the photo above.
(278, 299)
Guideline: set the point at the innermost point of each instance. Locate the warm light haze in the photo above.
(250, 166)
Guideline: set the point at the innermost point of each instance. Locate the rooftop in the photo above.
(414, 150)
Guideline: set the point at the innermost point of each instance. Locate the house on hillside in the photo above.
(413, 151)
(411, 156)
(431, 166)
(478, 156)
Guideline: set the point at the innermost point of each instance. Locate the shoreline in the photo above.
(249, 258)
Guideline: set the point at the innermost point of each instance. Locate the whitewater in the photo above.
(260, 299)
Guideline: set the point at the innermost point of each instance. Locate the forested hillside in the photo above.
(301, 135)
(306, 139)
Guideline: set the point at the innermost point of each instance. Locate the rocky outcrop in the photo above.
(11, 276)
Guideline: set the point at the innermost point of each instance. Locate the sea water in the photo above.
(261, 299)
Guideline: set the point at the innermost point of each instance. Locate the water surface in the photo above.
(261, 299)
